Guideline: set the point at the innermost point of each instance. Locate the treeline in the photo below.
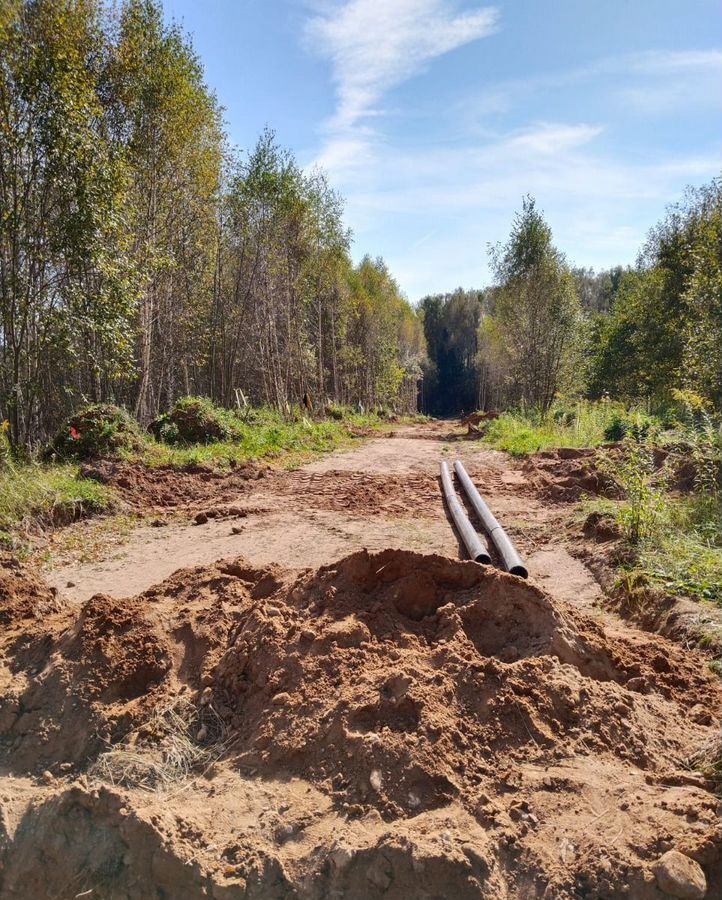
(143, 258)
(544, 328)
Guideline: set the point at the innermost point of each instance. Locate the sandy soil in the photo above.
(294, 710)
(382, 494)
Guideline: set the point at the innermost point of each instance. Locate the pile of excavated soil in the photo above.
(171, 488)
(567, 474)
(362, 493)
(393, 725)
(23, 595)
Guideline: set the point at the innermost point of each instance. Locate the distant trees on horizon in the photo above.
(544, 328)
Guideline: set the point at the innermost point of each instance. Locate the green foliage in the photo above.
(263, 433)
(34, 496)
(633, 469)
(194, 420)
(636, 424)
(528, 430)
(451, 376)
(664, 331)
(531, 338)
(99, 430)
(334, 411)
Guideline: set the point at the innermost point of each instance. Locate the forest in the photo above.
(545, 329)
(143, 258)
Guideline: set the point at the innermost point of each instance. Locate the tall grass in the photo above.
(581, 424)
(264, 434)
(36, 495)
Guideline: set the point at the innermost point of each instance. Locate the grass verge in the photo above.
(36, 496)
(581, 424)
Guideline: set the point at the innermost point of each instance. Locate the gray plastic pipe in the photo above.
(507, 551)
(472, 541)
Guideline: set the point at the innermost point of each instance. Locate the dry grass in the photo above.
(708, 760)
(186, 739)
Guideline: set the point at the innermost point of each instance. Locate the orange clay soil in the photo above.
(391, 725)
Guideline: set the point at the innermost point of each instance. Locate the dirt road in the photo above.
(310, 695)
(382, 494)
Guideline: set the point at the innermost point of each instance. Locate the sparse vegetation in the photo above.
(187, 739)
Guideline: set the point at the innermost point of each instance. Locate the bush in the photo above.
(637, 425)
(634, 471)
(193, 420)
(334, 411)
(96, 431)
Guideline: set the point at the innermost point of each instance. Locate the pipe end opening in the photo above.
(483, 558)
(520, 571)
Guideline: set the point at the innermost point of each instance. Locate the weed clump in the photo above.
(193, 420)
(98, 430)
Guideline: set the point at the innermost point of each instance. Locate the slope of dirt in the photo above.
(171, 488)
(567, 474)
(393, 725)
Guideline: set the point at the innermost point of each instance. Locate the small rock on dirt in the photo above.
(679, 876)
(340, 857)
(200, 518)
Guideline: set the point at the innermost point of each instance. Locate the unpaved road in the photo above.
(384, 493)
(299, 720)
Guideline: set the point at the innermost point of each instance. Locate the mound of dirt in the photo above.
(568, 473)
(22, 594)
(171, 488)
(394, 724)
(98, 430)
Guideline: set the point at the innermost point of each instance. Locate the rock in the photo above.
(200, 518)
(679, 876)
(236, 529)
(70, 584)
(158, 523)
(637, 684)
(340, 857)
(375, 780)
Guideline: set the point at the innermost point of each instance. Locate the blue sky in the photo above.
(434, 117)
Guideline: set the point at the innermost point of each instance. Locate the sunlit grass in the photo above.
(685, 554)
(40, 495)
(581, 424)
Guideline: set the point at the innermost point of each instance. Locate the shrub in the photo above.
(637, 425)
(193, 420)
(634, 471)
(95, 431)
(334, 411)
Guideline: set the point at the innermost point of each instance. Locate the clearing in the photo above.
(309, 694)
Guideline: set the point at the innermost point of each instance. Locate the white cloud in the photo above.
(550, 138)
(652, 82)
(375, 45)
(431, 207)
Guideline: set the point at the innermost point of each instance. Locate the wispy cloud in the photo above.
(653, 81)
(375, 45)
(432, 205)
